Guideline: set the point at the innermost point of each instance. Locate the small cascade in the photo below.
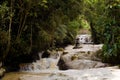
(42, 64)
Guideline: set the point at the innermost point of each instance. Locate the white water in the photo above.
(43, 67)
(42, 64)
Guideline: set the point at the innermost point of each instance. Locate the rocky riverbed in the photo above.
(82, 65)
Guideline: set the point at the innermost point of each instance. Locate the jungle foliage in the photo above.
(111, 46)
(30, 26)
(104, 19)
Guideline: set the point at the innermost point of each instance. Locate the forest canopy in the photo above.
(30, 26)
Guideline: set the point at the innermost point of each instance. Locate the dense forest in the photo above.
(31, 26)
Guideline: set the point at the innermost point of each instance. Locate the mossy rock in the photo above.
(60, 49)
(74, 57)
(64, 53)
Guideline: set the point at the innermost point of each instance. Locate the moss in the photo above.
(74, 57)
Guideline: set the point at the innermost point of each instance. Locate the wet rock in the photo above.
(62, 65)
(42, 64)
(85, 64)
(84, 58)
(2, 72)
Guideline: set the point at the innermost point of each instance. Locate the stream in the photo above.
(81, 62)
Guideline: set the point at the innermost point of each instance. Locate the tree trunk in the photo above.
(9, 31)
(93, 32)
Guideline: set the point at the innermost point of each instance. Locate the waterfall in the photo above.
(42, 63)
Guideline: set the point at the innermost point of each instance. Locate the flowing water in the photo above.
(42, 64)
(47, 69)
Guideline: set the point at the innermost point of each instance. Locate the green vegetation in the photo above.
(30, 26)
(104, 19)
(111, 46)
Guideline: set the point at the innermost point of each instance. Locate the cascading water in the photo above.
(42, 64)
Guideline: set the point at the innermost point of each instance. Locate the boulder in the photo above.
(2, 70)
(85, 64)
(84, 58)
